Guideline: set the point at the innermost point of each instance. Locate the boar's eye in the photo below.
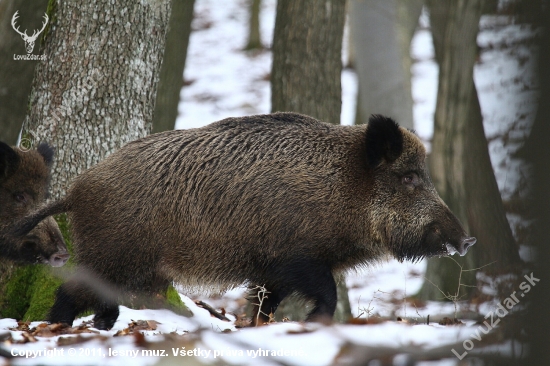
(20, 197)
(410, 179)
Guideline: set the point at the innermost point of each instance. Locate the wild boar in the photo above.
(24, 179)
(279, 200)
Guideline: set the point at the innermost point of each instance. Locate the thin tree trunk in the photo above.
(173, 64)
(381, 33)
(16, 75)
(307, 61)
(460, 164)
(305, 78)
(254, 36)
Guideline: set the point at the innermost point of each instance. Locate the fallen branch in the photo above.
(211, 310)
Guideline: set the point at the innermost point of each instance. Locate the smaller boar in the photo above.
(24, 179)
(280, 200)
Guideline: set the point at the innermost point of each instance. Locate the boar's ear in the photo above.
(9, 161)
(384, 140)
(47, 153)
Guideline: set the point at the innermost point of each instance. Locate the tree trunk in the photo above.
(307, 58)
(14, 91)
(16, 75)
(94, 93)
(173, 64)
(538, 151)
(381, 33)
(305, 78)
(460, 164)
(89, 101)
(254, 37)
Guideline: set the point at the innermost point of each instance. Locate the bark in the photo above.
(173, 64)
(307, 61)
(381, 33)
(460, 164)
(94, 93)
(305, 78)
(14, 91)
(538, 151)
(254, 36)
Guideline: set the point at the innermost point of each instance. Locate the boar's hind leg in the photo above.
(70, 300)
(73, 298)
(106, 315)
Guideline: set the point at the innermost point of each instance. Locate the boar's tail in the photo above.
(28, 223)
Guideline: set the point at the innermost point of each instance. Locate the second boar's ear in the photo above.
(9, 161)
(384, 140)
(47, 153)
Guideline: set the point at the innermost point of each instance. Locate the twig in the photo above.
(211, 310)
(261, 294)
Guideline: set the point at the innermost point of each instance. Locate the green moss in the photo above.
(30, 291)
(64, 226)
(16, 299)
(42, 295)
(51, 11)
(174, 300)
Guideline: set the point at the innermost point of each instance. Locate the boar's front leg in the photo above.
(312, 280)
(264, 303)
(318, 285)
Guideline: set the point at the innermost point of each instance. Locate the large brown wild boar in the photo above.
(280, 200)
(24, 178)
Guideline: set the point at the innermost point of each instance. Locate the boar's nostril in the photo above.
(465, 244)
(58, 259)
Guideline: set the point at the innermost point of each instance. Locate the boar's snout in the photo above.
(463, 246)
(45, 244)
(59, 259)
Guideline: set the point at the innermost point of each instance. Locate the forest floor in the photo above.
(221, 80)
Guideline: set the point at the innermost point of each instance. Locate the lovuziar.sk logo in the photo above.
(29, 40)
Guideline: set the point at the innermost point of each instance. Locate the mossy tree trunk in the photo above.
(173, 64)
(305, 78)
(460, 164)
(16, 75)
(94, 92)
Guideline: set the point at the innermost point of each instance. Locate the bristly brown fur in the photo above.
(280, 200)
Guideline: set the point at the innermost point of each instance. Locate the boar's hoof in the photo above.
(58, 259)
(105, 317)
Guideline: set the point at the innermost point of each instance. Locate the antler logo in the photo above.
(29, 41)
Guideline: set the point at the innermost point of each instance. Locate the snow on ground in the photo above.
(223, 81)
